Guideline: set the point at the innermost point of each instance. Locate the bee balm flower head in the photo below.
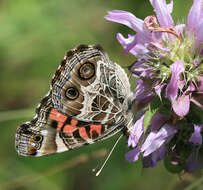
(169, 65)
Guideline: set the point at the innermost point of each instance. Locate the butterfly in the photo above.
(89, 100)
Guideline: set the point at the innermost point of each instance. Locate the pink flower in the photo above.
(167, 54)
(169, 65)
(196, 137)
(172, 88)
(153, 147)
(136, 132)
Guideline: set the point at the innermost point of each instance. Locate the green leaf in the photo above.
(195, 115)
(153, 109)
(165, 107)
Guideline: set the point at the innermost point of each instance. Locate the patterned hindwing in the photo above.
(75, 133)
(53, 132)
(88, 101)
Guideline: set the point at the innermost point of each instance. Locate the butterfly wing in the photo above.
(88, 101)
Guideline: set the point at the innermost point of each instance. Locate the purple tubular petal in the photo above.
(157, 121)
(195, 15)
(142, 103)
(181, 105)
(125, 18)
(195, 62)
(136, 67)
(196, 137)
(158, 155)
(156, 139)
(170, 7)
(151, 144)
(194, 162)
(158, 89)
(139, 68)
(180, 28)
(172, 88)
(125, 41)
(199, 35)
(161, 152)
(152, 159)
(200, 83)
(133, 155)
(136, 132)
(201, 51)
(139, 50)
(130, 44)
(133, 22)
(159, 46)
(191, 87)
(139, 40)
(143, 90)
(163, 12)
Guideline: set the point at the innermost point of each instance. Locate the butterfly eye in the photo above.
(38, 138)
(72, 93)
(87, 71)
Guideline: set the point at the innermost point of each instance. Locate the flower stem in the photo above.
(195, 184)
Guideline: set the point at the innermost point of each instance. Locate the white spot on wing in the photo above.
(61, 147)
(44, 132)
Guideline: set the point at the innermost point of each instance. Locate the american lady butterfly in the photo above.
(89, 100)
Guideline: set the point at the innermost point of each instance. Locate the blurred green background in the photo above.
(34, 37)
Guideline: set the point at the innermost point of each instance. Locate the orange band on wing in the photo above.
(68, 129)
(59, 117)
(83, 133)
(96, 128)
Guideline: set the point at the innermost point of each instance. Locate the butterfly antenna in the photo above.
(98, 172)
